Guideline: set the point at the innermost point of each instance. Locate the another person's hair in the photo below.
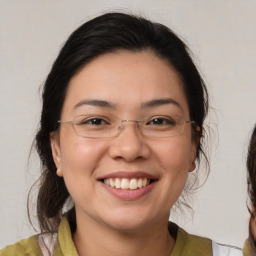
(251, 181)
(107, 33)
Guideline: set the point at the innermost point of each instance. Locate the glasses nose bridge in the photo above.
(122, 122)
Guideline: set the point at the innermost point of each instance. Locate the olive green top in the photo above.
(247, 250)
(185, 245)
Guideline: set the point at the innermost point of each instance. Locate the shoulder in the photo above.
(247, 249)
(187, 244)
(26, 247)
(193, 245)
(44, 244)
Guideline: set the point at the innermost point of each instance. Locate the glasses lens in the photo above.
(97, 126)
(163, 126)
(93, 126)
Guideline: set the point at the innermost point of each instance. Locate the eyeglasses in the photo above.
(109, 126)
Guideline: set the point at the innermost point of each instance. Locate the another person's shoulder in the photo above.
(25, 247)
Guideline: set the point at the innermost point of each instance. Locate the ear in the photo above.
(55, 146)
(195, 143)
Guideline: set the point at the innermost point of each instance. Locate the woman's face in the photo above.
(129, 86)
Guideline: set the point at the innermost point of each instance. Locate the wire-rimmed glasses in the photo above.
(109, 126)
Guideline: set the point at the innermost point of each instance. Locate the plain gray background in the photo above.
(222, 36)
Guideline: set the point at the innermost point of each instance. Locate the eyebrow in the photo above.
(106, 104)
(160, 102)
(96, 103)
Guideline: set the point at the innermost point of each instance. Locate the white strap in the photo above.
(225, 250)
(47, 243)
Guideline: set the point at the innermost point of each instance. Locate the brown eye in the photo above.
(97, 121)
(161, 121)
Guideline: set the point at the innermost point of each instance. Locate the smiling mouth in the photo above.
(127, 184)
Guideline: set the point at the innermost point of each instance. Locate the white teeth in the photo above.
(127, 183)
(106, 181)
(112, 183)
(139, 183)
(133, 184)
(144, 182)
(118, 183)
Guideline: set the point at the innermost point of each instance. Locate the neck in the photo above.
(92, 238)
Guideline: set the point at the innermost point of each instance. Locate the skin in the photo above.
(107, 225)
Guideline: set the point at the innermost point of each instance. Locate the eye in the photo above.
(94, 121)
(161, 121)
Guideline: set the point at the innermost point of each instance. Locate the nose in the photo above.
(130, 144)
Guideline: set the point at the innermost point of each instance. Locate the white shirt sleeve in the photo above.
(225, 250)
(47, 243)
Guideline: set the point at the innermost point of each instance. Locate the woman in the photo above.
(250, 244)
(121, 128)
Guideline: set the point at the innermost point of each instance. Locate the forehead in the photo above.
(126, 80)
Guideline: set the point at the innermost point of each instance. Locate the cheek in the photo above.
(175, 155)
(80, 156)
(79, 162)
(174, 159)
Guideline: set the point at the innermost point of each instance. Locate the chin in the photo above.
(128, 222)
(128, 227)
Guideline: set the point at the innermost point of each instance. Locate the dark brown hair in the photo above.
(106, 33)
(251, 182)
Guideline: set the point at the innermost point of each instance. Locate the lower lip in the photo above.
(129, 194)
